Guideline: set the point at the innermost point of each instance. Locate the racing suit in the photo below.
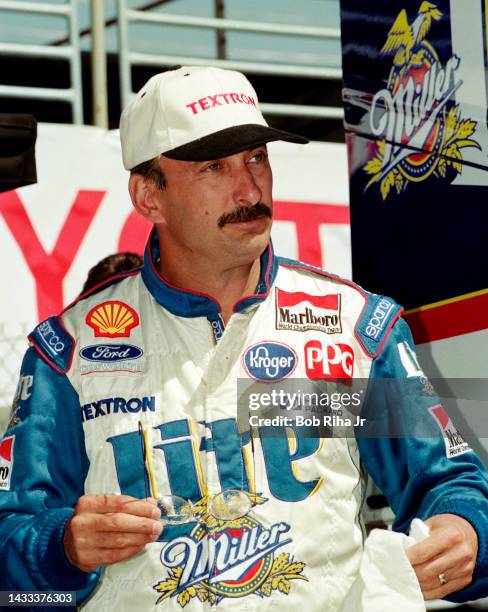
(139, 349)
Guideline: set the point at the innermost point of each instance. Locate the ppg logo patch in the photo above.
(270, 361)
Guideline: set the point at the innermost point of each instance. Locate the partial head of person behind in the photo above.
(195, 114)
(112, 265)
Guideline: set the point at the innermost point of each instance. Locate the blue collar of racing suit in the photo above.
(185, 303)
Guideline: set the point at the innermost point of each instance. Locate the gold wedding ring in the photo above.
(442, 579)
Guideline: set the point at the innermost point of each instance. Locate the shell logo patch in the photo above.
(418, 125)
(227, 559)
(112, 320)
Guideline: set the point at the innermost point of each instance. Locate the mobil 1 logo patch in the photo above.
(299, 311)
(270, 361)
(110, 357)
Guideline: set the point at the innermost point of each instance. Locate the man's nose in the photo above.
(246, 191)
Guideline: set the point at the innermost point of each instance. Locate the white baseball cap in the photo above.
(195, 114)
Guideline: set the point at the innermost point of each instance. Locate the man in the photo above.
(161, 352)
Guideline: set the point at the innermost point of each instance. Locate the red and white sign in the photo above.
(6, 462)
(325, 361)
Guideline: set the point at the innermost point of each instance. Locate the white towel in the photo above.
(387, 581)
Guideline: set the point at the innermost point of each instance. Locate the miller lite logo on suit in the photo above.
(419, 128)
(221, 559)
(299, 311)
(324, 360)
(6, 462)
(455, 443)
(270, 361)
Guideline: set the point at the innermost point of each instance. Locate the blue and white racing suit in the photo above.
(139, 349)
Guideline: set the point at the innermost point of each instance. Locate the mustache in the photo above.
(245, 213)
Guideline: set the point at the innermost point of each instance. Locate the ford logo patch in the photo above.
(108, 353)
(270, 361)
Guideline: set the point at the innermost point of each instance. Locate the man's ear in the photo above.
(143, 195)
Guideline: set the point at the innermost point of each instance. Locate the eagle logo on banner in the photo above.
(419, 127)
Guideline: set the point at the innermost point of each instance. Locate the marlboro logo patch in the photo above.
(300, 311)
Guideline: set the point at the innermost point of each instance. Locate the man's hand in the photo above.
(106, 529)
(449, 554)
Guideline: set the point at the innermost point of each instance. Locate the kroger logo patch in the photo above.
(270, 361)
(109, 353)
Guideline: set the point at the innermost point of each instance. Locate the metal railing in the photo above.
(70, 52)
(128, 58)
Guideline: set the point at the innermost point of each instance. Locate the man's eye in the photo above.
(259, 158)
(213, 167)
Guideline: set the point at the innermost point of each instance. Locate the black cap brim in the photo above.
(230, 141)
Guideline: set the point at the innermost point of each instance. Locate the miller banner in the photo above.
(415, 95)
